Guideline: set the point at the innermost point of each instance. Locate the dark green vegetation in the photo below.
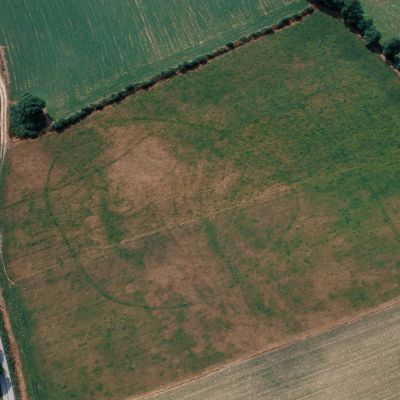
(219, 213)
(27, 116)
(74, 52)
(392, 48)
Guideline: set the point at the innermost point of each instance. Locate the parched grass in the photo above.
(218, 214)
(354, 353)
(74, 52)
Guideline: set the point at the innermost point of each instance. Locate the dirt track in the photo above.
(3, 121)
(5, 378)
(6, 383)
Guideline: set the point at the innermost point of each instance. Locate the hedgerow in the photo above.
(182, 68)
(350, 10)
(354, 17)
(391, 48)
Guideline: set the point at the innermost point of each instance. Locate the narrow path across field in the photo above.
(5, 378)
(356, 361)
(3, 148)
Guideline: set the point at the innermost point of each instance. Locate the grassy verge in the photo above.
(17, 313)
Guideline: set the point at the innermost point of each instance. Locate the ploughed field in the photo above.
(73, 52)
(386, 16)
(218, 214)
(357, 361)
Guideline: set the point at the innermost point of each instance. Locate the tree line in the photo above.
(354, 17)
(28, 118)
(22, 121)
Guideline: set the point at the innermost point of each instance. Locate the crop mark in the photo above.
(254, 200)
(383, 210)
(67, 182)
(76, 261)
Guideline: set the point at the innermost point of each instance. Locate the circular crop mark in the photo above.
(74, 253)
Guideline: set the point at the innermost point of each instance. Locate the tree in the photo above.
(391, 48)
(332, 4)
(353, 14)
(337, 4)
(365, 24)
(27, 116)
(372, 36)
(396, 63)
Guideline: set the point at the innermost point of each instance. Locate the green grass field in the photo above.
(73, 52)
(221, 212)
(386, 15)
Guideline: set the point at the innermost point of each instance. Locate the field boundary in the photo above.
(290, 341)
(377, 48)
(11, 352)
(3, 66)
(190, 65)
(345, 321)
(196, 63)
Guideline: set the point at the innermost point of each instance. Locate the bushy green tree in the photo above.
(371, 35)
(365, 24)
(353, 14)
(27, 116)
(337, 4)
(332, 4)
(391, 48)
(396, 63)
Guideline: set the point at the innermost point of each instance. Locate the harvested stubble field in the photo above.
(73, 52)
(386, 15)
(357, 361)
(222, 212)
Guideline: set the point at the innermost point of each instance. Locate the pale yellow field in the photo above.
(357, 361)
